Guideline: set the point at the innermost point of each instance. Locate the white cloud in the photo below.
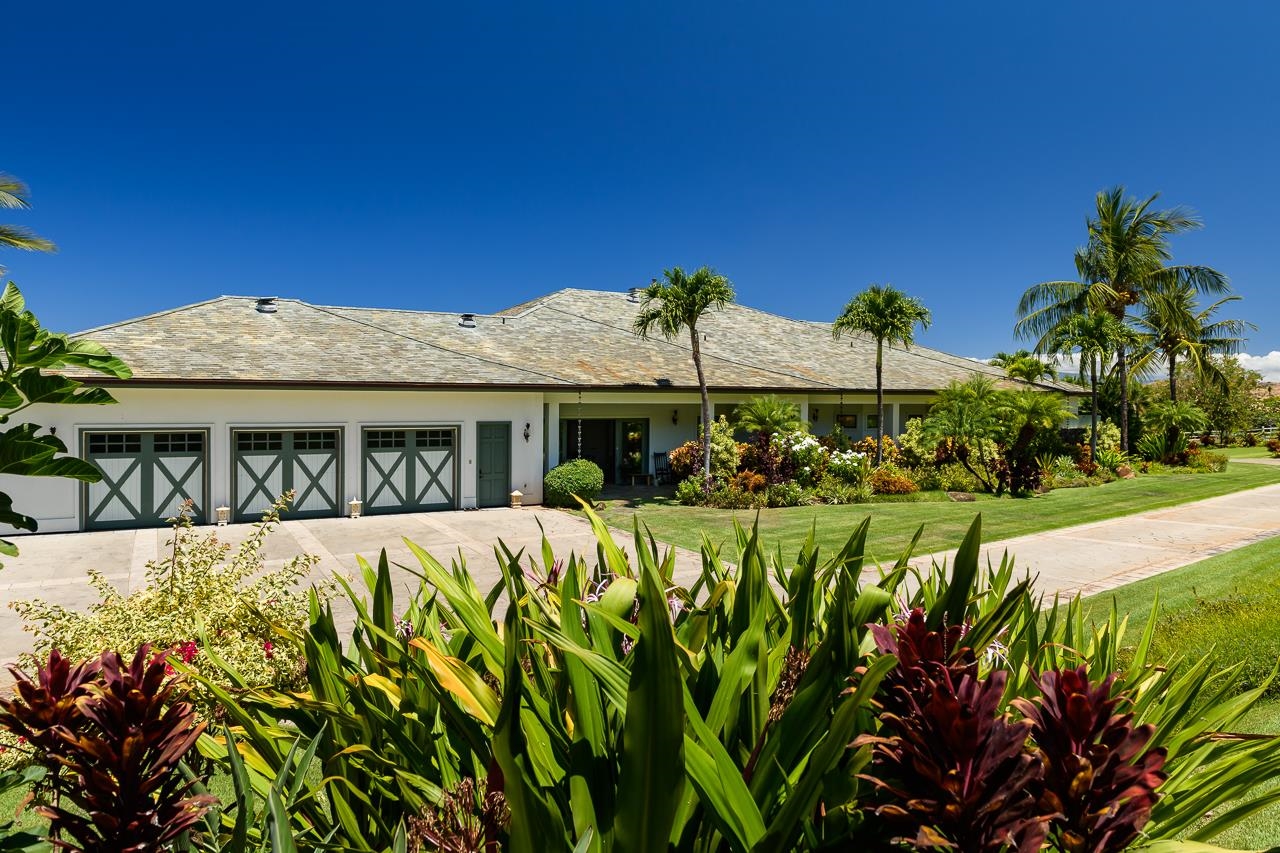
(1268, 365)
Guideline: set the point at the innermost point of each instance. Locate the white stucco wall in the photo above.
(55, 503)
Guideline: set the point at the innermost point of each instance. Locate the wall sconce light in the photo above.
(813, 414)
(526, 432)
(675, 417)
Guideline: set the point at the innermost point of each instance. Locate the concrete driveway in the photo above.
(54, 567)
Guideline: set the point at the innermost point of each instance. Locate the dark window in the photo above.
(315, 440)
(115, 442)
(179, 442)
(435, 438)
(259, 441)
(385, 439)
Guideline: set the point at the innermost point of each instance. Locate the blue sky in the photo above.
(471, 156)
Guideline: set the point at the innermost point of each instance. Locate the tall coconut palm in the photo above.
(1126, 258)
(1095, 336)
(674, 306)
(1171, 328)
(890, 316)
(13, 196)
(768, 414)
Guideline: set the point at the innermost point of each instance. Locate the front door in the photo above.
(493, 464)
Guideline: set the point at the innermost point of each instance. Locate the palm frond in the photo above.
(17, 237)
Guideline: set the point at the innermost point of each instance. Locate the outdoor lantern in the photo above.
(224, 515)
(675, 417)
(354, 506)
(516, 497)
(813, 414)
(526, 432)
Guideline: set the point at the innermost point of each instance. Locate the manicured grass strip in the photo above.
(1259, 452)
(1227, 603)
(893, 524)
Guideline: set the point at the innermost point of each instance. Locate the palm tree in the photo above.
(768, 415)
(13, 195)
(1023, 364)
(1096, 336)
(1124, 260)
(1171, 327)
(675, 305)
(890, 316)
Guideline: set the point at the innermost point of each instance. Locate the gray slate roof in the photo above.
(568, 339)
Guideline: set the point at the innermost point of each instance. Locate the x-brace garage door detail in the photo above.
(410, 470)
(268, 463)
(145, 478)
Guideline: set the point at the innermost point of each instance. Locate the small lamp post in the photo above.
(516, 498)
(224, 515)
(354, 506)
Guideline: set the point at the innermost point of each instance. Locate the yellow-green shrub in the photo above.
(199, 598)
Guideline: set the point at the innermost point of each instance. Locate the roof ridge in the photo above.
(155, 314)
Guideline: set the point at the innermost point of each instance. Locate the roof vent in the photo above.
(633, 294)
(266, 305)
(468, 321)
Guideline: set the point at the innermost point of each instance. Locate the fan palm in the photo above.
(1171, 328)
(13, 195)
(1096, 336)
(769, 415)
(890, 316)
(674, 306)
(1124, 260)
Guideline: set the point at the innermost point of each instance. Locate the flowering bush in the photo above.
(193, 597)
(685, 460)
(851, 466)
(805, 453)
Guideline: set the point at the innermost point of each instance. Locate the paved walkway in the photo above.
(1087, 559)
(1091, 558)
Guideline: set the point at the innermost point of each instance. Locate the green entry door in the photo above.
(493, 464)
(268, 463)
(410, 470)
(145, 478)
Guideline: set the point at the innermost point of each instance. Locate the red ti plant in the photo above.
(112, 735)
(1098, 778)
(951, 771)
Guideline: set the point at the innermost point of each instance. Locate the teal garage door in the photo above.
(145, 478)
(268, 463)
(410, 470)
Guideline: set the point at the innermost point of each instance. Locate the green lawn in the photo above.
(1225, 603)
(893, 524)
(1259, 452)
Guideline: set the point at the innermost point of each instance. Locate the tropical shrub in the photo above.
(767, 415)
(1207, 462)
(889, 479)
(109, 735)
(761, 455)
(568, 481)
(851, 466)
(32, 358)
(807, 457)
(1182, 416)
(691, 491)
(1273, 445)
(1111, 458)
(1108, 435)
(685, 460)
(1163, 447)
(783, 494)
(748, 481)
(769, 699)
(868, 446)
(836, 490)
(915, 450)
(200, 601)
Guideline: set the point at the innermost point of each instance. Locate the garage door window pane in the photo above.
(179, 442)
(315, 440)
(385, 439)
(435, 438)
(115, 442)
(259, 441)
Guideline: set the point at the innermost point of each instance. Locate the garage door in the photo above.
(410, 470)
(145, 478)
(268, 463)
